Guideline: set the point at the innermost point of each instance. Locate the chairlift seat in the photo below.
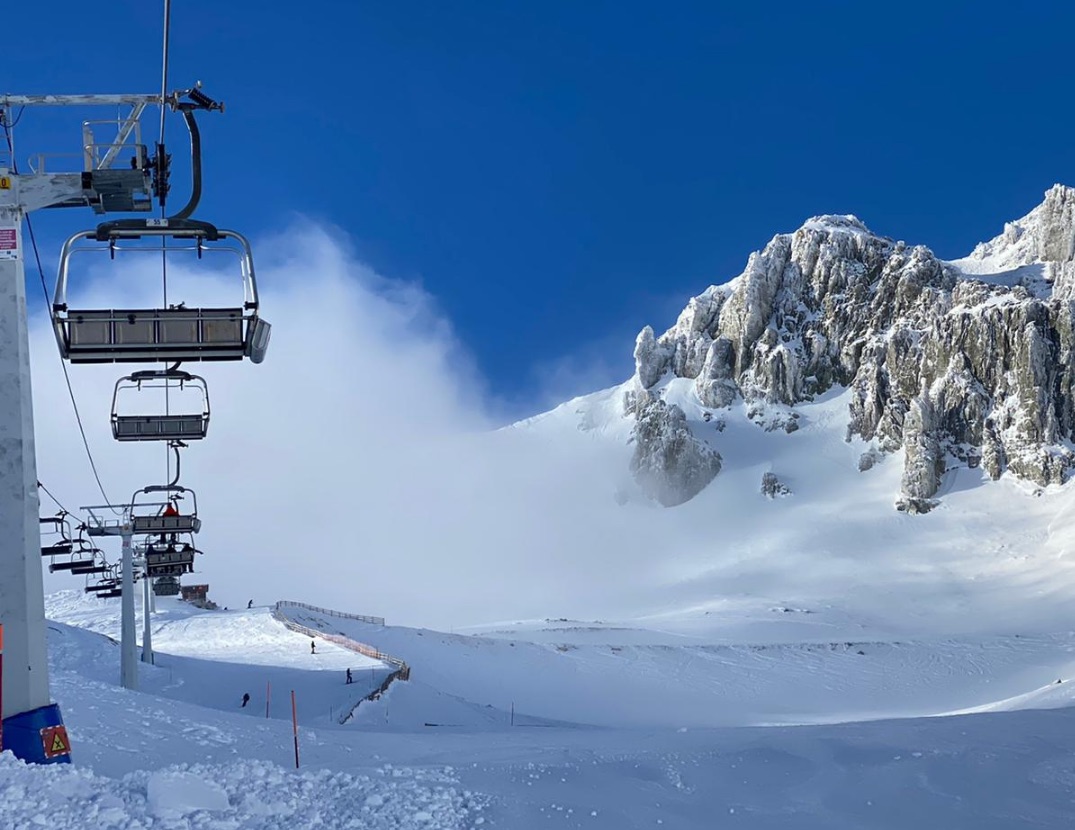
(166, 586)
(105, 584)
(159, 427)
(116, 592)
(162, 334)
(165, 524)
(70, 566)
(91, 569)
(59, 549)
(169, 562)
(169, 570)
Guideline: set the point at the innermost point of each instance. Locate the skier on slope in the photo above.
(313, 650)
(349, 678)
(246, 699)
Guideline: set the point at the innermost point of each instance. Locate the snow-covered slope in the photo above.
(993, 557)
(425, 757)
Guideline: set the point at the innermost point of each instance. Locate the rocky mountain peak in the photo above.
(952, 363)
(1046, 234)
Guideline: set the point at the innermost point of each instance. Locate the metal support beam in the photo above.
(78, 100)
(147, 610)
(122, 134)
(128, 668)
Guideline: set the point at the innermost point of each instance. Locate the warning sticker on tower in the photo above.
(9, 243)
(54, 741)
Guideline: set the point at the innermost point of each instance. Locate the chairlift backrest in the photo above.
(154, 518)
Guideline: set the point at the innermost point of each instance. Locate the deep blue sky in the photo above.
(558, 174)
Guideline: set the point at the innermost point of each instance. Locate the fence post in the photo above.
(268, 696)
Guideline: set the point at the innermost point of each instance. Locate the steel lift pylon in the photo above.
(117, 175)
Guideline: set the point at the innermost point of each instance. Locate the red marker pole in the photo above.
(295, 727)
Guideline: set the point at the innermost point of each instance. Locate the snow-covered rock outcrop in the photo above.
(970, 360)
(669, 463)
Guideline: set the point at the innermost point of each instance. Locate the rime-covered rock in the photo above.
(990, 338)
(771, 486)
(869, 459)
(669, 463)
(923, 460)
(651, 358)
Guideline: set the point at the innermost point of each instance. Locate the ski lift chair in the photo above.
(166, 586)
(171, 559)
(90, 569)
(106, 583)
(162, 517)
(101, 587)
(58, 525)
(176, 333)
(184, 426)
(82, 558)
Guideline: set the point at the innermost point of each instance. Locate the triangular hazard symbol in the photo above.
(58, 745)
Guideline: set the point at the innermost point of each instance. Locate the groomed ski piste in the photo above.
(558, 723)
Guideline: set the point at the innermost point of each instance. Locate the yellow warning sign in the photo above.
(5, 182)
(54, 741)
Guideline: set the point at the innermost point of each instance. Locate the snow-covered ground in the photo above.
(817, 660)
(560, 723)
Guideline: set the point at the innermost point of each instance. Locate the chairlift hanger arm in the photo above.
(138, 228)
(198, 101)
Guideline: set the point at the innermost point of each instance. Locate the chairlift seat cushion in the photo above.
(165, 524)
(153, 334)
(158, 427)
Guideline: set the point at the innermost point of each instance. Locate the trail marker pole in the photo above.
(295, 727)
(268, 696)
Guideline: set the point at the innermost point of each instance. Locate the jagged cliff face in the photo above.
(951, 363)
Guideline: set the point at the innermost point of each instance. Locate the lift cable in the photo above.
(45, 490)
(164, 240)
(48, 305)
(164, 63)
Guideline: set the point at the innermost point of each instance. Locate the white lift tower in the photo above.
(116, 175)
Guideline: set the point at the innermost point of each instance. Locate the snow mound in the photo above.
(243, 794)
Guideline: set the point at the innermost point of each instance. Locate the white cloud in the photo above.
(357, 467)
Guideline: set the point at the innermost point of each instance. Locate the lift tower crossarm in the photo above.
(8, 100)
